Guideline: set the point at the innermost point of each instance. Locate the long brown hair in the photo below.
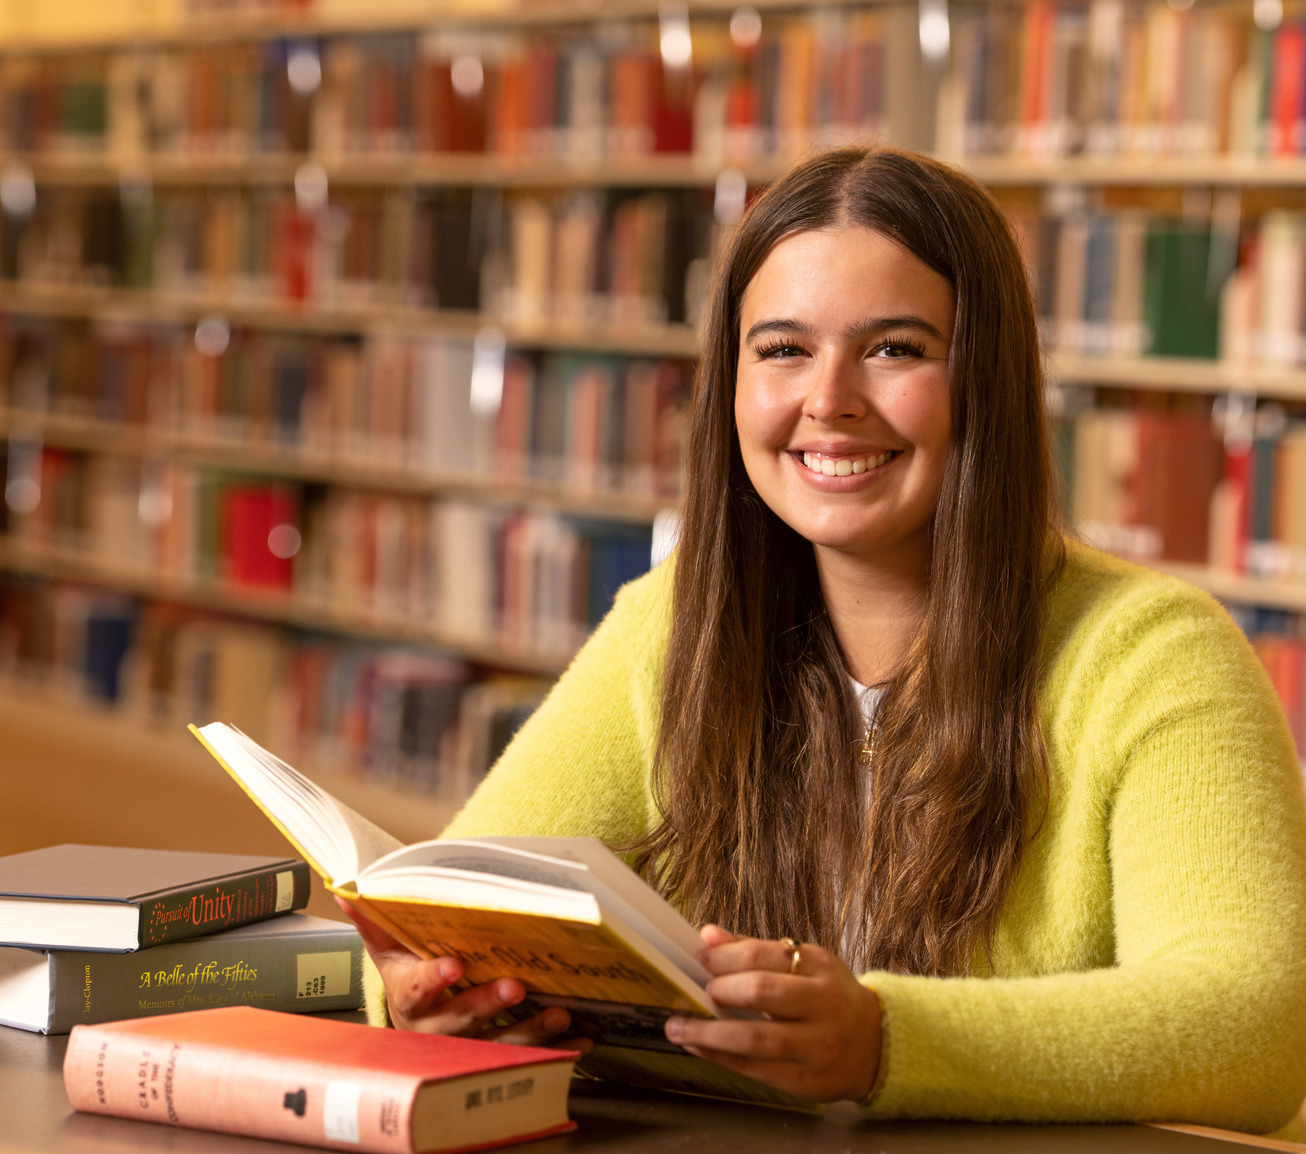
(764, 824)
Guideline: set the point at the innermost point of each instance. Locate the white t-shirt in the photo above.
(869, 697)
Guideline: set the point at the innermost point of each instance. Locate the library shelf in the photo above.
(386, 169)
(273, 605)
(183, 307)
(1178, 375)
(202, 29)
(90, 736)
(1157, 171)
(378, 474)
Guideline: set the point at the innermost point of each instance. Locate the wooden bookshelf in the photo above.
(186, 308)
(386, 170)
(416, 169)
(1224, 171)
(269, 460)
(1178, 375)
(391, 16)
(274, 606)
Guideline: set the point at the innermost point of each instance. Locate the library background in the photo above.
(345, 345)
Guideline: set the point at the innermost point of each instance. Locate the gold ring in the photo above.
(795, 953)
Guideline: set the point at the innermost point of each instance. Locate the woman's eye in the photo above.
(780, 351)
(898, 349)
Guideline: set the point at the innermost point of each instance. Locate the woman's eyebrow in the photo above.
(779, 325)
(862, 328)
(883, 324)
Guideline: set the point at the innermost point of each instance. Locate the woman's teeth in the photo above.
(844, 466)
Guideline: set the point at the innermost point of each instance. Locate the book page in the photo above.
(527, 860)
(625, 884)
(335, 840)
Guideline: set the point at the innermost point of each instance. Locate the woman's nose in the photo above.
(835, 392)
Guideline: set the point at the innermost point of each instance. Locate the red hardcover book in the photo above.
(447, 120)
(673, 110)
(1285, 90)
(1237, 483)
(512, 114)
(632, 82)
(541, 99)
(1180, 461)
(318, 1082)
(1034, 76)
(1288, 683)
(512, 427)
(254, 519)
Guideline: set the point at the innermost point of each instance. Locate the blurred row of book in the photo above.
(586, 257)
(725, 89)
(402, 715)
(1036, 81)
(472, 574)
(412, 412)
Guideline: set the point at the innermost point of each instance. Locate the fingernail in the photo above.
(675, 1029)
(449, 970)
(556, 1020)
(509, 993)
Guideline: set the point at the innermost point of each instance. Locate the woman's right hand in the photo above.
(418, 995)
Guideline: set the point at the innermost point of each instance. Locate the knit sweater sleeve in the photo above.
(1172, 767)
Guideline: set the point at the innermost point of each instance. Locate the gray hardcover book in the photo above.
(297, 963)
(98, 897)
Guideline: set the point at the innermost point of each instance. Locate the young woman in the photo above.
(1033, 812)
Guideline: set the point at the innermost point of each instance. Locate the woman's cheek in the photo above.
(767, 408)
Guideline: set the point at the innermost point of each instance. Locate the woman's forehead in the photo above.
(848, 268)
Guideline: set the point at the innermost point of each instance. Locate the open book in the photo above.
(565, 916)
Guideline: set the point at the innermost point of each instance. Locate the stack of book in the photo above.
(93, 934)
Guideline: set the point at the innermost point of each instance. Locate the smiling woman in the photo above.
(843, 413)
(1033, 813)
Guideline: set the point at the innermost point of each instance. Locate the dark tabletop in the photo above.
(35, 1117)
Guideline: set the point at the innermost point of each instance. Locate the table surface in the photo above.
(35, 1117)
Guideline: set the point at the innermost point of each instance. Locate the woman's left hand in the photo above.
(821, 1036)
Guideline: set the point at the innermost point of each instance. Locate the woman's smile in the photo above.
(822, 466)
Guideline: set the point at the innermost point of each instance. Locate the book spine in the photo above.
(191, 912)
(300, 973)
(204, 1086)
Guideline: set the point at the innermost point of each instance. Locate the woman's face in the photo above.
(842, 401)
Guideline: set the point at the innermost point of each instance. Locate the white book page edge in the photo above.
(340, 840)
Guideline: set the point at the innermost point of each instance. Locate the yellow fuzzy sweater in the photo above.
(1150, 960)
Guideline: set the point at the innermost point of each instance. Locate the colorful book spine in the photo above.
(204, 909)
(297, 963)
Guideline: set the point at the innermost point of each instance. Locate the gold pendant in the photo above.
(867, 753)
